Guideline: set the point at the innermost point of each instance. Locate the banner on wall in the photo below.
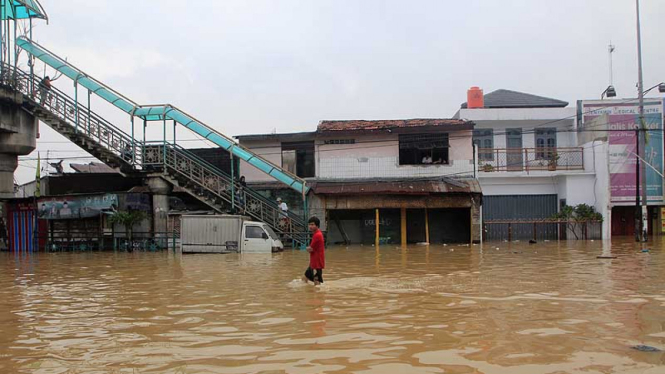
(70, 207)
(617, 120)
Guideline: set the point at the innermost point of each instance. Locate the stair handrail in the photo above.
(215, 170)
(132, 108)
(162, 111)
(66, 99)
(194, 167)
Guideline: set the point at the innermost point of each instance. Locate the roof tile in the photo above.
(351, 125)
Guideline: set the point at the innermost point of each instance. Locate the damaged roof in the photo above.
(368, 126)
(425, 187)
(396, 124)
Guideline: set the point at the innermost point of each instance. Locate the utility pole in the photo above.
(641, 215)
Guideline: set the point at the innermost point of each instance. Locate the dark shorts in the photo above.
(314, 274)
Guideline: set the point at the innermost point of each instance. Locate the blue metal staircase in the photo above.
(128, 155)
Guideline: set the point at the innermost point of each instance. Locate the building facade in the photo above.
(417, 176)
(531, 164)
(613, 122)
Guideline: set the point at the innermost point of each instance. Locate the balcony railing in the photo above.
(530, 159)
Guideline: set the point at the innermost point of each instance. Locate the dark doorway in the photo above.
(348, 226)
(415, 226)
(449, 225)
(623, 221)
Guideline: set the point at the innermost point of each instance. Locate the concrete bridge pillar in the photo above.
(18, 137)
(160, 208)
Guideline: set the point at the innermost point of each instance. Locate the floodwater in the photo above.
(498, 308)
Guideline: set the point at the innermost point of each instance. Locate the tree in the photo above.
(127, 219)
(576, 217)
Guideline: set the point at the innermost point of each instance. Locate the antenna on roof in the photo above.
(610, 50)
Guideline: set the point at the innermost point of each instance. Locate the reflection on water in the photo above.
(496, 308)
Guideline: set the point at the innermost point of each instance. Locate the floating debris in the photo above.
(645, 348)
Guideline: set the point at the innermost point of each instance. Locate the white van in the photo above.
(227, 233)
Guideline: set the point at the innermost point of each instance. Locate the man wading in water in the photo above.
(317, 259)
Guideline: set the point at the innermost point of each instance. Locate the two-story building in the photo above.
(416, 176)
(531, 164)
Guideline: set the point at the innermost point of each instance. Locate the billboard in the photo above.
(617, 120)
(70, 207)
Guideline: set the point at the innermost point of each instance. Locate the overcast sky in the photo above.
(260, 66)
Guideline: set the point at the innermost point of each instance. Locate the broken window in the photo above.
(298, 158)
(423, 149)
(484, 141)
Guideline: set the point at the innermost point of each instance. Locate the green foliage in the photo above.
(578, 213)
(575, 217)
(127, 218)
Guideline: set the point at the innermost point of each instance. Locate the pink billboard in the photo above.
(620, 120)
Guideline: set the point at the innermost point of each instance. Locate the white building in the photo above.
(416, 174)
(530, 164)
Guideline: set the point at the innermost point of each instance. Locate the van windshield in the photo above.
(271, 233)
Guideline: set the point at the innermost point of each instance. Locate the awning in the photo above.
(467, 186)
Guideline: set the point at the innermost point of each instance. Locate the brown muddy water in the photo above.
(497, 308)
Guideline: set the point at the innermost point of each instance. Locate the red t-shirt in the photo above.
(317, 259)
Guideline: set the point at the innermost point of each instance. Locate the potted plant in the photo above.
(552, 164)
(488, 168)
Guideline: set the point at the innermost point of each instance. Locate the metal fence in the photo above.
(64, 241)
(528, 159)
(501, 230)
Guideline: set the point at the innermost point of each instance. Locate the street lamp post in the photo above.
(641, 216)
(641, 132)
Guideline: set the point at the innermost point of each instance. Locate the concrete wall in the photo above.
(589, 187)
(378, 157)
(543, 185)
(372, 156)
(271, 150)
(599, 157)
(527, 119)
(18, 133)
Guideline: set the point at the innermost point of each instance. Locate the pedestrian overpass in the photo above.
(127, 150)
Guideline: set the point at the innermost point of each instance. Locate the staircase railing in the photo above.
(82, 119)
(146, 155)
(216, 182)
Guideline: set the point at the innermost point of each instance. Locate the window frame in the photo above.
(481, 138)
(415, 147)
(259, 229)
(547, 149)
(302, 150)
